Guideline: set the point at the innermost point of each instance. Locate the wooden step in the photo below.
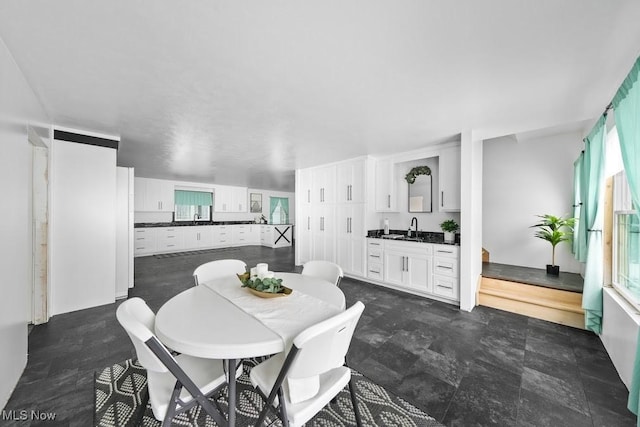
(553, 305)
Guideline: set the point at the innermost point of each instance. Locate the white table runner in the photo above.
(286, 316)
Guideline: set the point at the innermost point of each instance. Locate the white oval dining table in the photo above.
(203, 323)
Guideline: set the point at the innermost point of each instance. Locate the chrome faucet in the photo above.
(414, 219)
(196, 217)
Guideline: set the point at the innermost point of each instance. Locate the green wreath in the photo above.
(418, 170)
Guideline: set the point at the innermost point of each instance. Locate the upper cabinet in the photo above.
(323, 185)
(386, 197)
(449, 165)
(351, 182)
(153, 195)
(230, 199)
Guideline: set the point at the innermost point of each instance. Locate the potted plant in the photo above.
(449, 227)
(554, 229)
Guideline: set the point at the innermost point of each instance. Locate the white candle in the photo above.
(253, 272)
(269, 275)
(262, 268)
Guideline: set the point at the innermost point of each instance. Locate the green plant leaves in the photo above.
(271, 285)
(418, 170)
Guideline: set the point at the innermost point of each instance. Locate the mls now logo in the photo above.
(25, 415)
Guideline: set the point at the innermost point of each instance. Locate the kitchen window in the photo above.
(279, 210)
(193, 205)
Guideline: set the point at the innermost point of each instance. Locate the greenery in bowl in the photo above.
(554, 229)
(449, 226)
(269, 285)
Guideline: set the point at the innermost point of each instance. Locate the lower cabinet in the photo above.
(408, 265)
(144, 241)
(424, 268)
(198, 237)
(169, 239)
(152, 240)
(221, 236)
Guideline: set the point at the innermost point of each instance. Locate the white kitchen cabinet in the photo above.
(350, 240)
(323, 185)
(323, 233)
(230, 199)
(408, 264)
(385, 191)
(449, 179)
(375, 259)
(198, 237)
(304, 234)
(304, 187)
(245, 234)
(169, 239)
(350, 185)
(153, 195)
(253, 236)
(445, 271)
(144, 241)
(222, 236)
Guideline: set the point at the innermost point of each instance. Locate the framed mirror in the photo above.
(420, 194)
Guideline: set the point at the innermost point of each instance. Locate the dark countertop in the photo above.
(422, 237)
(533, 276)
(197, 223)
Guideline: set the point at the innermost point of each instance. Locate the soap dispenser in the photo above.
(386, 226)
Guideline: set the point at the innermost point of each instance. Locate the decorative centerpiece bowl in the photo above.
(265, 287)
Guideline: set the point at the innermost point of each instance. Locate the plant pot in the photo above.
(553, 270)
(449, 236)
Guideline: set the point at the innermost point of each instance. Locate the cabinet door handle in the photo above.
(308, 223)
(308, 196)
(374, 256)
(442, 199)
(350, 225)
(445, 267)
(389, 201)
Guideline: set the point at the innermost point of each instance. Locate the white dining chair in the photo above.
(175, 383)
(214, 269)
(326, 270)
(317, 357)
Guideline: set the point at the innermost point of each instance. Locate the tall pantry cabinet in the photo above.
(330, 212)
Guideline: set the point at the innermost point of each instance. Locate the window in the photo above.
(626, 242)
(279, 210)
(193, 205)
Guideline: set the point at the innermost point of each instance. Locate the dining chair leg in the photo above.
(283, 408)
(232, 392)
(354, 402)
(171, 409)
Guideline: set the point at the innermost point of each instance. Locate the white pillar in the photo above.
(470, 218)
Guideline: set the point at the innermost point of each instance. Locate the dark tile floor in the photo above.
(482, 368)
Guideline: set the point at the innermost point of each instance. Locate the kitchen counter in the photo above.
(196, 223)
(422, 237)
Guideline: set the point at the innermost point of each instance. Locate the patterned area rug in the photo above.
(121, 400)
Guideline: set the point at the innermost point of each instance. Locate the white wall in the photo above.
(523, 178)
(426, 221)
(620, 326)
(18, 107)
(471, 200)
(83, 226)
(124, 231)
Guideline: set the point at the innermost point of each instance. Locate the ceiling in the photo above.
(244, 92)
